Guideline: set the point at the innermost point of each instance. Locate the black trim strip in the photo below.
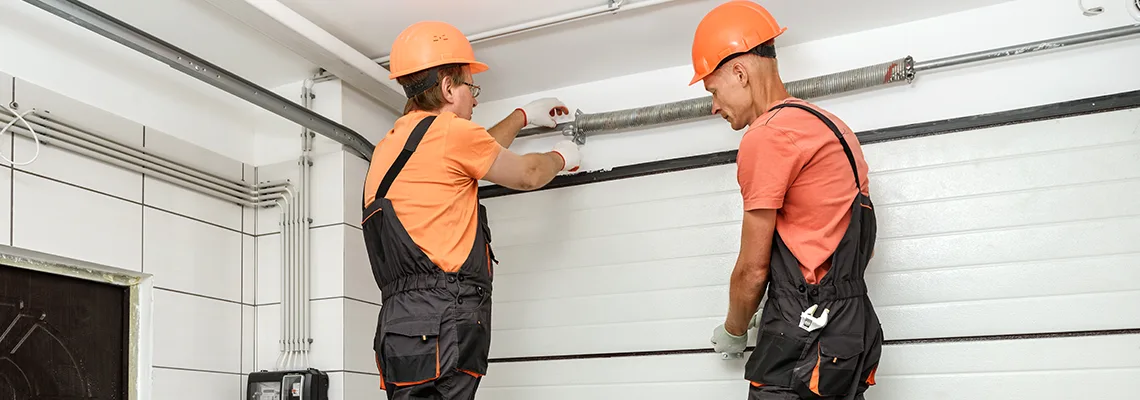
(1090, 105)
(958, 339)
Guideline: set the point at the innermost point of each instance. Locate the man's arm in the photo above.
(505, 131)
(533, 170)
(750, 276)
(540, 112)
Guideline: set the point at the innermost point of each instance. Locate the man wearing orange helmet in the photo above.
(808, 227)
(426, 234)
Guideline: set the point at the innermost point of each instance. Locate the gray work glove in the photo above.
(728, 345)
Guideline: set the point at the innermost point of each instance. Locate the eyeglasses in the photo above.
(474, 89)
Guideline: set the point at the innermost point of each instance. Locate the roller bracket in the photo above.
(572, 130)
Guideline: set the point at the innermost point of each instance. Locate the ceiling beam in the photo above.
(293, 31)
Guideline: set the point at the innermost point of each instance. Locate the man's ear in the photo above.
(739, 72)
(447, 88)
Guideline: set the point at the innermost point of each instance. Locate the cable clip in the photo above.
(809, 322)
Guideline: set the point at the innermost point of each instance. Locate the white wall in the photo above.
(1018, 229)
(200, 250)
(56, 54)
(1039, 79)
(344, 298)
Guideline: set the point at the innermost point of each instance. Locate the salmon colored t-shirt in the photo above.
(790, 161)
(436, 194)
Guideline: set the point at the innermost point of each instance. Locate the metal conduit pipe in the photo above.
(53, 123)
(263, 198)
(307, 137)
(904, 69)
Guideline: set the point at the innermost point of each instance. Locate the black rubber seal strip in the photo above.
(1091, 105)
(1049, 335)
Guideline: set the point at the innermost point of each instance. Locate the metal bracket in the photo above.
(572, 131)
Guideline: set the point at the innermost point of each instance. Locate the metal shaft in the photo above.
(841, 82)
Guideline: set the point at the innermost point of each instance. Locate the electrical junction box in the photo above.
(310, 384)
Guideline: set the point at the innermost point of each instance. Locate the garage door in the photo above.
(1006, 260)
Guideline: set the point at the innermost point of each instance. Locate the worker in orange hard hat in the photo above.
(426, 234)
(808, 227)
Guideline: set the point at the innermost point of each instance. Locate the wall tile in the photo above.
(171, 197)
(355, 171)
(326, 189)
(6, 99)
(359, 331)
(180, 151)
(73, 112)
(352, 385)
(173, 384)
(72, 167)
(99, 228)
(248, 269)
(327, 321)
(268, 269)
(327, 258)
(6, 205)
(268, 337)
(248, 338)
(359, 283)
(191, 256)
(196, 333)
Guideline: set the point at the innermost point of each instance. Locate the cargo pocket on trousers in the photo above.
(474, 345)
(837, 363)
(410, 351)
(774, 359)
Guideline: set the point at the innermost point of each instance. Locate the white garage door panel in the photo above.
(1037, 243)
(1004, 141)
(1040, 369)
(996, 231)
(605, 194)
(676, 273)
(1063, 167)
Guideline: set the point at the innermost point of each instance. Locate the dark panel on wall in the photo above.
(61, 337)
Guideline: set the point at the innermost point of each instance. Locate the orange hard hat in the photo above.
(430, 44)
(734, 27)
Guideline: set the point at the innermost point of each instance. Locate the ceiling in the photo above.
(645, 39)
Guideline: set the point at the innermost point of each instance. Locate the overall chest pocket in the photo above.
(409, 351)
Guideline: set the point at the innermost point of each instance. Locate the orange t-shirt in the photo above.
(790, 161)
(436, 194)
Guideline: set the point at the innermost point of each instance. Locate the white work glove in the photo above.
(728, 345)
(541, 112)
(568, 150)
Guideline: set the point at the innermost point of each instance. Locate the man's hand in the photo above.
(541, 112)
(728, 345)
(571, 156)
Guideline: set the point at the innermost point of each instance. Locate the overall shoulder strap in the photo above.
(409, 147)
(834, 129)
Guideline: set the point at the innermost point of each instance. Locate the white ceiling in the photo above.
(602, 47)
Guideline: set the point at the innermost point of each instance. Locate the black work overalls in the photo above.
(838, 360)
(433, 333)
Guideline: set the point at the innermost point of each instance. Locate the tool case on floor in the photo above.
(309, 384)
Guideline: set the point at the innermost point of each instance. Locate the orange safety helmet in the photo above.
(430, 44)
(734, 27)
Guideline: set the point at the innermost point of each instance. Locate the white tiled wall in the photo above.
(344, 300)
(77, 207)
(1019, 229)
